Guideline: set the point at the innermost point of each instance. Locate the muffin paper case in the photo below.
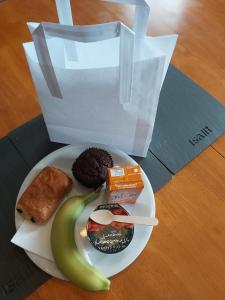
(99, 83)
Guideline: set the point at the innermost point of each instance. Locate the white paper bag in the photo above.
(99, 83)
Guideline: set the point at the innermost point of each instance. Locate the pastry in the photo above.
(90, 168)
(43, 195)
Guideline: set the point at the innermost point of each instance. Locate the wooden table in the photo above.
(185, 258)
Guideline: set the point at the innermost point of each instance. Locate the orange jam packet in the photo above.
(124, 184)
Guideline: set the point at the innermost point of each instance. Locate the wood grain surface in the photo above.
(185, 257)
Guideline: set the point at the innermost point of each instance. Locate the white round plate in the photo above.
(108, 264)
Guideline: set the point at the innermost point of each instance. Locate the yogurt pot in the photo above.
(111, 238)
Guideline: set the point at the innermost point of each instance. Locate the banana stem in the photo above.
(91, 196)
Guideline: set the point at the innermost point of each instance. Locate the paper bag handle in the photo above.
(140, 19)
(86, 34)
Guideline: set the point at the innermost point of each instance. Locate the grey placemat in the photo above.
(18, 275)
(32, 141)
(188, 120)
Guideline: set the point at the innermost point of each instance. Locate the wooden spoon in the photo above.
(105, 217)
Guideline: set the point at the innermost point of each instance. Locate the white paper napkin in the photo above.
(35, 238)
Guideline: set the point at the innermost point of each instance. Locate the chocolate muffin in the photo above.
(90, 168)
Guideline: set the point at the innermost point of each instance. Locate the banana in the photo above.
(67, 257)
